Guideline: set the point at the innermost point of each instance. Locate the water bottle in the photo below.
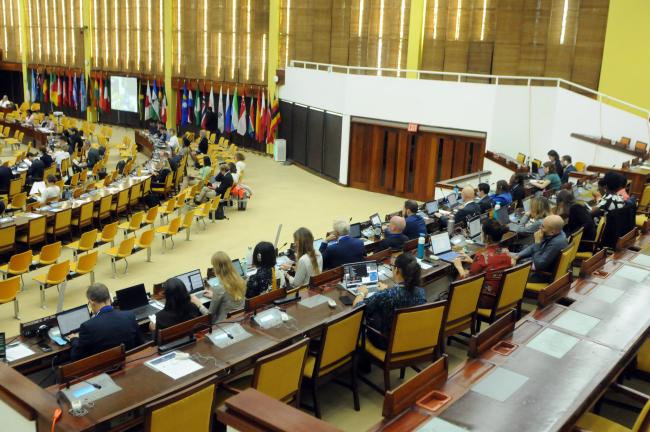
(421, 246)
(497, 206)
(248, 259)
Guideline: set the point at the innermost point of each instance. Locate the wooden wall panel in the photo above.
(592, 23)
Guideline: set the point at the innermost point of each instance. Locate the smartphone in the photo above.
(44, 347)
(346, 300)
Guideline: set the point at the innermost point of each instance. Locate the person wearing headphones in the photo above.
(264, 262)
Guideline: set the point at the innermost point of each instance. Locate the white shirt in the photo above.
(241, 166)
(173, 143)
(235, 177)
(37, 187)
(50, 192)
(304, 270)
(60, 156)
(5, 104)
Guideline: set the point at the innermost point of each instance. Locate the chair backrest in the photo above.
(147, 186)
(15, 187)
(50, 252)
(136, 220)
(416, 328)
(521, 158)
(19, 200)
(136, 192)
(74, 180)
(126, 247)
(146, 238)
(463, 298)
(339, 340)
(9, 288)
(170, 205)
(152, 213)
(106, 360)
(191, 410)
(566, 258)
(513, 285)
(58, 272)
(36, 229)
(174, 225)
(85, 214)
(109, 232)
(7, 237)
(576, 238)
(87, 262)
(20, 263)
(279, 374)
(87, 239)
(84, 175)
(62, 220)
(187, 219)
(122, 199)
(105, 206)
(642, 423)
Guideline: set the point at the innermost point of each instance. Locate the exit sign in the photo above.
(413, 127)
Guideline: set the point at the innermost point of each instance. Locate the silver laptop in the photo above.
(69, 321)
(431, 207)
(362, 273)
(375, 220)
(441, 247)
(502, 216)
(452, 200)
(474, 226)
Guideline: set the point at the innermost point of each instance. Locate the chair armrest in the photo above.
(631, 393)
(229, 388)
(374, 330)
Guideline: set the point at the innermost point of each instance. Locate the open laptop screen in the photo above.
(451, 199)
(132, 297)
(431, 207)
(361, 273)
(440, 243)
(69, 321)
(474, 226)
(355, 230)
(375, 220)
(192, 280)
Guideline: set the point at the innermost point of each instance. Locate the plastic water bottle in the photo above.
(421, 246)
(497, 206)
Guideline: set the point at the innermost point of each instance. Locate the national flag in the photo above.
(190, 107)
(204, 110)
(197, 108)
(60, 89)
(75, 97)
(70, 91)
(163, 108)
(184, 106)
(147, 103)
(234, 118)
(45, 92)
(227, 122)
(220, 112)
(258, 127)
(107, 100)
(275, 117)
(63, 92)
(262, 136)
(82, 93)
(97, 93)
(241, 123)
(211, 100)
(32, 88)
(250, 129)
(54, 91)
(179, 118)
(155, 103)
(269, 135)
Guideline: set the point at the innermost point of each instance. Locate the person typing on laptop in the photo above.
(309, 261)
(229, 292)
(263, 262)
(107, 329)
(546, 250)
(180, 306)
(415, 224)
(381, 306)
(339, 248)
(468, 209)
(394, 237)
(492, 260)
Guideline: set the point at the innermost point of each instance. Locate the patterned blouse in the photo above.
(611, 202)
(380, 307)
(259, 282)
(492, 260)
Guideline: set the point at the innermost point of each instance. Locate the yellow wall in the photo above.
(625, 71)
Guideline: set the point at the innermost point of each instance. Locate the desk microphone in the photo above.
(217, 325)
(285, 243)
(97, 386)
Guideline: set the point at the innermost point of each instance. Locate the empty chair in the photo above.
(124, 250)
(35, 232)
(18, 265)
(85, 265)
(85, 217)
(49, 254)
(108, 234)
(186, 225)
(596, 423)
(203, 211)
(168, 208)
(104, 210)
(62, 222)
(463, 302)
(56, 276)
(121, 204)
(190, 409)
(134, 196)
(18, 202)
(509, 294)
(150, 218)
(9, 292)
(7, 238)
(168, 231)
(84, 244)
(144, 242)
(133, 225)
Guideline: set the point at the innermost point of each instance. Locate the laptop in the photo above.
(317, 244)
(362, 273)
(431, 207)
(502, 216)
(135, 299)
(355, 230)
(452, 200)
(192, 280)
(238, 267)
(441, 247)
(69, 321)
(375, 220)
(475, 227)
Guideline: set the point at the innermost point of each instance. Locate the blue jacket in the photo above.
(346, 250)
(108, 329)
(503, 199)
(415, 226)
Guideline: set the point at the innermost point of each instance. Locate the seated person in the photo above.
(502, 195)
(612, 199)
(546, 250)
(550, 181)
(203, 142)
(531, 221)
(107, 329)
(263, 261)
(484, 199)
(394, 237)
(492, 260)
(415, 225)
(95, 155)
(59, 156)
(206, 169)
(173, 143)
(211, 190)
(554, 158)
(468, 209)
(31, 118)
(180, 306)
(575, 215)
(228, 295)
(51, 192)
(6, 175)
(339, 248)
(381, 306)
(46, 158)
(241, 165)
(517, 191)
(233, 172)
(36, 168)
(308, 261)
(567, 167)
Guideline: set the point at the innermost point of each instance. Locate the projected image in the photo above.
(124, 94)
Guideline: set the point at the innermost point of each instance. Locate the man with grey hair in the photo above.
(339, 248)
(545, 251)
(394, 237)
(107, 329)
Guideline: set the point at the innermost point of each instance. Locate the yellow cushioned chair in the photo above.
(18, 265)
(415, 337)
(585, 255)
(337, 353)
(596, 423)
(564, 262)
(188, 410)
(144, 242)
(56, 275)
(186, 225)
(121, 204)
(108, 234)
(510, 294)
(168, 208)
(85, 217)
(35, 232)
(123, 251)
(7, 238)
(168, 231)
(62, 223)
(104, 210)
(9, 292)
(49, 254)
(150, 218)
(133, 225)
(463, 302)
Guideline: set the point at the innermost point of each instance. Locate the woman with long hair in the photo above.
(532, 220)
(309, 262)
(180, 306)
(576, 216)
(228, 292)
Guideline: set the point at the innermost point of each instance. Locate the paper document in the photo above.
(314, 301)
(172, 367)
(576, 322)
(16, 352)
(437, 424)
(500, 384)
(553, 343)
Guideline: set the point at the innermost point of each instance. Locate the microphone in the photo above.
(97, 386)
(285, 243)
(350, 219)
(230, 336)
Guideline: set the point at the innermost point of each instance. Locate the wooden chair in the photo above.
(35, 232)
(593, 245)
(104, 210)
(7, 238)
(521, 158)
(133, 225)
(463, 303)
(18, 265)
(84, 244)
(144, 242)
(336, 353)
(85, 265)
(279, 374)
(624, 142)
(169, 231)
(62, 223)
(596, 423)
(111, 359)
(190, 409)
(146, 188)
(415, 337)
(123, 251)
(640, 147)
(510, 294)
(49, 254)
(564, 262)
(166, 188)
(56, 276)
(85, 217)
(18, 202)
(9, 293)
(108, 234)
(134, 196)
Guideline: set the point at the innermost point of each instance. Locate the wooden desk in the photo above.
(609, 143)
(144, 143)
(637, 175)
(464, 180)
(507, 162)
(30, 133)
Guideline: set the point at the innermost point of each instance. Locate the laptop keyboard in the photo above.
(143, 312)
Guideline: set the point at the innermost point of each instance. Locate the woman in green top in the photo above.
(551, 180)
(206, 169)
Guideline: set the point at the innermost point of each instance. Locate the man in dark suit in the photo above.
(5, 178)
(46, 158)
(203, 143)
(394, 237)
(339, 248)
(35, 170)
(485, 202)
(212, 190)
(108, 327)
(211, 121)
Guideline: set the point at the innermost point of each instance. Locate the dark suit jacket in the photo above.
(106, 330)
(47, 160)
(392, 241)
(470, 209)
(203, 146)
(485, 203)
(5, 178)
(346, 250)
(211, 121)
(226, 182)
(36, 169)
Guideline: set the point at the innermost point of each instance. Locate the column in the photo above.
(23, 38)
(416, 30)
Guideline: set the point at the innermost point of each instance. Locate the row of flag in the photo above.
(155, 103)
(259, 120)
(70, 90)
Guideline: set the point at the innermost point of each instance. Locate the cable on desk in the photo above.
(203, 359)
(55, 418)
